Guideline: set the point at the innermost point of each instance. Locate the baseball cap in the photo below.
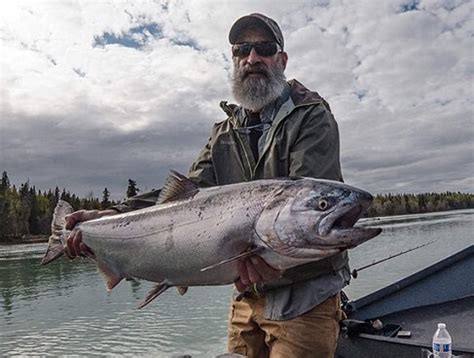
(259, 20)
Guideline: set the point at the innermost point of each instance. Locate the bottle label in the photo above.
(441, 348)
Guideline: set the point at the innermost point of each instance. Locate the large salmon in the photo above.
(194, 236)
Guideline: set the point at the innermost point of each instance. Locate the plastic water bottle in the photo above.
(442, 342)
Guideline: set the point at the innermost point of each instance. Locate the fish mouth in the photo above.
(341, 219)
(338, 230)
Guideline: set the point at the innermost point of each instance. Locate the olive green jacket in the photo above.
(302, 140)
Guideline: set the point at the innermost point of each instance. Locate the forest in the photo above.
(26, 213)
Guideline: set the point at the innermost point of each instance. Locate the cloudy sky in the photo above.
(96, 92)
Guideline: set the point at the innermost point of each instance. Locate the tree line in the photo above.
(402, 204)
(26, 212)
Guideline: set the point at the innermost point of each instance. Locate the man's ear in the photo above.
(283, 58)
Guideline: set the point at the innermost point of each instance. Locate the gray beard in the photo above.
(255, 93)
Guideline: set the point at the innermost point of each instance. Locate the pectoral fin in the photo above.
(154, 293)
(111, 278)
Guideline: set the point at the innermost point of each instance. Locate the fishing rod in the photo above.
(355, 272)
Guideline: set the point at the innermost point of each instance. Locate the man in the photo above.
(279, 129)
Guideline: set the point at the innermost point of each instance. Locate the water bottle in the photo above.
(441, 342)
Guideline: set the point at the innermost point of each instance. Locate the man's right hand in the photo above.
(74, 245)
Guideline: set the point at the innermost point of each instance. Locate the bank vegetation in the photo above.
(26, 213)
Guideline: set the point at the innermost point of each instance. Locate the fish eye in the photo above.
(323, 204)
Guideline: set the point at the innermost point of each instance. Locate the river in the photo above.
(63, 308)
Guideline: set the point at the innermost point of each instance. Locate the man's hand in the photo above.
(255, 270)
(74, 245)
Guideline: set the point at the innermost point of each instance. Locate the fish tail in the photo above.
(59, 234)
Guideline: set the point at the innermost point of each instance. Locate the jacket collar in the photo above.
(302, 96)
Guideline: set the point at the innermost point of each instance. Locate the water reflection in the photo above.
(24, 279)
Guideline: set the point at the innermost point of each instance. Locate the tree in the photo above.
(4, 205)
(5, 183)
(132, 189)
(105, 203)
(33, 219)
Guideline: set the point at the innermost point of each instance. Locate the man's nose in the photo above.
(253, 57)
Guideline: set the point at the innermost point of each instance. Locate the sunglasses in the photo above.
(264, 48)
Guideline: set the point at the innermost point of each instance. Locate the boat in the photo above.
(406, 313)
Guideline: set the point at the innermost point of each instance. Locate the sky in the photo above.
(96, 92)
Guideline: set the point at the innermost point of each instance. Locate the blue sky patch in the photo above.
(136, 37)
(410, 6)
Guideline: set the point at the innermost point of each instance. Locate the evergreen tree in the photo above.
(4, 205)
(105, 203)
(5, 183)
(132, 189)
(33, 219)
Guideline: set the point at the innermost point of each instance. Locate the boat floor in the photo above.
(422, 322)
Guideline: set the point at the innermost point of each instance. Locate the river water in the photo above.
(63, 308)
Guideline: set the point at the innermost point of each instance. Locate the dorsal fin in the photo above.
(177, 187)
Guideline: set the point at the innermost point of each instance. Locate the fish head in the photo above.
(315, 216)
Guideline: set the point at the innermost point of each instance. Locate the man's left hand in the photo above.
(255, 270)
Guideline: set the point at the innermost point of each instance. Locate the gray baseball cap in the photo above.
(258, 20)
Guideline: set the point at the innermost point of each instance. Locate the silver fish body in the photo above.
(194, 237)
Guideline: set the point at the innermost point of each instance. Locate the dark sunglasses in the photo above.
(264, 48)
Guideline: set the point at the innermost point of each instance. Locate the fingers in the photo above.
(253, 274)
(265, 271)
(240, 286)
(243, 274)
(81, 215)
(73, 244)
(255, 270)
(72, 219)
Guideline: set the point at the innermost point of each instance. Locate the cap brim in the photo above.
(245, 22)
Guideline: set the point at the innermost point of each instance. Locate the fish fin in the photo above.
(154, 293)
(111, 278)
(246, 253)
(59, 234)
(55, 249)
(182, 290)
(177, 187)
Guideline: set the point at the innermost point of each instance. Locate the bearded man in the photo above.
(279, 129)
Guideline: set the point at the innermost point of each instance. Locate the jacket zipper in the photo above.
(242, 145)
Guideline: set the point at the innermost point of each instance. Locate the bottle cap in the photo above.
(441, 325)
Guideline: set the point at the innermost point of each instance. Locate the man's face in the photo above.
(258, 79)
(254, 59)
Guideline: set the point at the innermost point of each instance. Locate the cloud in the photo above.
(94, 93)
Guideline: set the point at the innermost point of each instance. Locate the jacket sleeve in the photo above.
(315, 152)
(202, 169)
